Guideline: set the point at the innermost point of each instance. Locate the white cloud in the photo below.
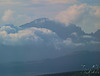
(87, 36)
(74, 34)
(70, 43)
(13, 17)
(95, 42)
(71, 14)
(27, 36)
(33, 36)
(97, 10)
(83, 15)
(8, 15)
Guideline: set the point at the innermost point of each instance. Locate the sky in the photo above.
(39, 42)
(83, 13)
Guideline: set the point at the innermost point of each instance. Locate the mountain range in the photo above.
(46, 46)
(61, 29)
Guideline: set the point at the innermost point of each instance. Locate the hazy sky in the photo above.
(84, 13)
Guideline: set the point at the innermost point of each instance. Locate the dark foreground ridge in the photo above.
(90, 72)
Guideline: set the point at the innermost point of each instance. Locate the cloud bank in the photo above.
(85, 16)
(83, 13)
(10, 36)
(13, 35)
(18, 44)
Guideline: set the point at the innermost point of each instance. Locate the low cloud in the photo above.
(87, 36)
(69, 42)
(13, 35)
(17, 44)
(27, 36)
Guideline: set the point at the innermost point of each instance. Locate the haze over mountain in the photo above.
(67, 63)
(44, 36)
(63, 31)
(42, 39)
(59, 28)
(46, 46)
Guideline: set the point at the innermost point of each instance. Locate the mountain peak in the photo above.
(41, 20)
(55, 27)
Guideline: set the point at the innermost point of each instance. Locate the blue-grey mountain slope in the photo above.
(60, 28)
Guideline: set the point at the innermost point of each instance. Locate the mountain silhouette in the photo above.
(60, 29)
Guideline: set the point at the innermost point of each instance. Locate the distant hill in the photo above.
(93, 72)
(65, 63)
(97, 35)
